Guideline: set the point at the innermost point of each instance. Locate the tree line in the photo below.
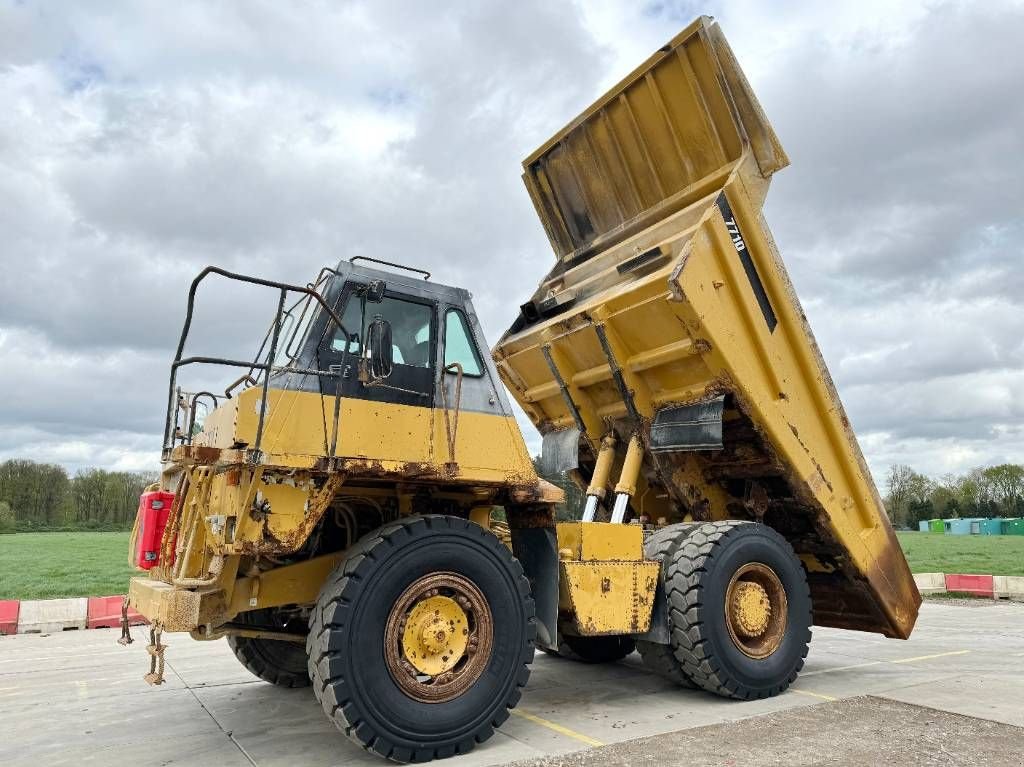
(994, 491)
(42, 496)
(987, 492)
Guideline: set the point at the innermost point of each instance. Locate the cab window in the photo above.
(458, 344)
(410, 328)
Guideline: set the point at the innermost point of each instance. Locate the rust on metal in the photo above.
(438, 637)
(756, 610)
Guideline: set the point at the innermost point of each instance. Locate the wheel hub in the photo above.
(756, 610)
(751, 608)
(438, 637)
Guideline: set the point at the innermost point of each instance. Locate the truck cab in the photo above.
(337, 393)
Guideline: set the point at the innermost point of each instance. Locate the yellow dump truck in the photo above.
(332, 511)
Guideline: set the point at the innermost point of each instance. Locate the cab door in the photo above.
(389, 420)
(474, 426)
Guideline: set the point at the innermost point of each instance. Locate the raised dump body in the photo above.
(669, 324)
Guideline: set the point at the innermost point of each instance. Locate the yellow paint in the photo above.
(817, 695)
(750, 608)
(175, 609)
(884, 662)
(299, 426)
(930, 657)
(298, 583)
(630, 467)
(436, 635)
(601, 541)
(658, 139)
(481, 515)
(841, 668)
(187, 610)
(602, 467)
(690, 325)
(609, 597)
(554, 727)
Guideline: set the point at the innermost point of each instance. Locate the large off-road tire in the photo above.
(599, 649)
(660, 546)
(436, 591)
(276, 661)
(717, 584)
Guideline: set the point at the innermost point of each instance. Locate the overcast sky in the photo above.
(140, 142)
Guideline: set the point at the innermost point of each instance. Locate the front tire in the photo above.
(740, 609)
(454, 612)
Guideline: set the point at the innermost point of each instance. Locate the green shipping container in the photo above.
(1013, 527)
(936, 526)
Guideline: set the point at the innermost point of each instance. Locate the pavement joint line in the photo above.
(230, 735)
(817, 695)
(556, 727)
(63, 657)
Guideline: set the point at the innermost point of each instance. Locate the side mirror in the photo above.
(375, 291)
(379, 348)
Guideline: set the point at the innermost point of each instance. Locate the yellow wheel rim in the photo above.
(438, 637)
(756, 610)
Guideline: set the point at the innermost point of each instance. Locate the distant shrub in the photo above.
(8, 524)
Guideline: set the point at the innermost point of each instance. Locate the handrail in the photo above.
(451, 425)
(424, 272)
(268, 368)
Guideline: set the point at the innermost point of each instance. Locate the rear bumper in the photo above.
(173, 608)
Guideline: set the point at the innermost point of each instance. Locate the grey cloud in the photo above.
(141, 145)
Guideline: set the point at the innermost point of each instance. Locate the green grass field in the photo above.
(50, 565)
(984, 554)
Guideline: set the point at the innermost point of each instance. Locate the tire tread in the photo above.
(684, 589)
(331, 688)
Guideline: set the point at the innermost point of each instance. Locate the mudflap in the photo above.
(536, 548)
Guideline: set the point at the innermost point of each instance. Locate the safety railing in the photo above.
(267, 368)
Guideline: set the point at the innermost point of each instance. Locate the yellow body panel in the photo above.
(600, 541)
(292, 584)
(179, 609)
(672, 293)
(393, 438)
(604, 581)
(609, 597)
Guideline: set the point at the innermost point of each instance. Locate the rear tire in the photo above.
(733, 652)
(381, 697)
(660, 546)
(276, 661)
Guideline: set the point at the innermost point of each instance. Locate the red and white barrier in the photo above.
(1009, 587)
(930, 583)
(976, 585)
(45, 616)
(9, 609)
(105, 613)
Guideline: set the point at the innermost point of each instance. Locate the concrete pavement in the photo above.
(77, 698)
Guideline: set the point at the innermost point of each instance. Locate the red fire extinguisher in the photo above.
(154, 508)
